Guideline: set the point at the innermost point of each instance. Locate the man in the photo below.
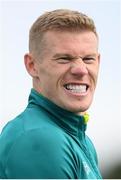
(48, 139)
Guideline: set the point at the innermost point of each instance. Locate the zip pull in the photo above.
(86, 117)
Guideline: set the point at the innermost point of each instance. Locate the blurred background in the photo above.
(104, 127)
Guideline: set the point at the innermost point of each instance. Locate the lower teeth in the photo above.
(76, 91)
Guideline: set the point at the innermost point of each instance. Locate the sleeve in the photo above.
(39, 154)
(4, 148)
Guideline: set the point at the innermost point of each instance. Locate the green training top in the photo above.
(47, 142)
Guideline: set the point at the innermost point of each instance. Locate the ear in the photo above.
(30, 65)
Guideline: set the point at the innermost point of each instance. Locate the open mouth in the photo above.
(76, 88)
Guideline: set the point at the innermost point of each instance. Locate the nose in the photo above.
(79, 68)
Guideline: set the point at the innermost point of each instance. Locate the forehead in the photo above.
(75, 43)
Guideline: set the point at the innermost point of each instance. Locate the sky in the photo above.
(16, 18)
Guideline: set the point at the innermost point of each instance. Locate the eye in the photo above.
(89, 59)
(63, 60)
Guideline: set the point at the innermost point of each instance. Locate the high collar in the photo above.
(69, 121)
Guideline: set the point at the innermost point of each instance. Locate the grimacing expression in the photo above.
(67, 73)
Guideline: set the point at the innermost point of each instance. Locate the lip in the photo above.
(77, 94)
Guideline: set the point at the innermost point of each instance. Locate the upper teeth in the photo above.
(76, 88)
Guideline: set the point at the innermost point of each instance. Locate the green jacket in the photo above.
(46, 142)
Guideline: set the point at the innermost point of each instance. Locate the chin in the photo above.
(80, 108)
(77, 110)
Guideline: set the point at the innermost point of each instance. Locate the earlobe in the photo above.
(30, 65)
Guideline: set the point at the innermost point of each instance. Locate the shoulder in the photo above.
(28, 122)
(36, 152)
(29, 128)
(32, 145)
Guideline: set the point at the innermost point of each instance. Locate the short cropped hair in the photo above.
(57, 20)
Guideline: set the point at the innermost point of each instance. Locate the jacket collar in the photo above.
(69, 121)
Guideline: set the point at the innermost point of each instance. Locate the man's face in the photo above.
(67, 72)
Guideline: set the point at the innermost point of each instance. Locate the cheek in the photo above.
(47, 78)
(96, 71)
(93, 74)
(44, 73)
(53, 74)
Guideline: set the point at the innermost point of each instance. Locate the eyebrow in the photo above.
(58, 55)
(94, 54)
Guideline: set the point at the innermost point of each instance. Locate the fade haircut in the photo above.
(57, 20)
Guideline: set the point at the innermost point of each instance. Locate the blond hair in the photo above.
(59, 20)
